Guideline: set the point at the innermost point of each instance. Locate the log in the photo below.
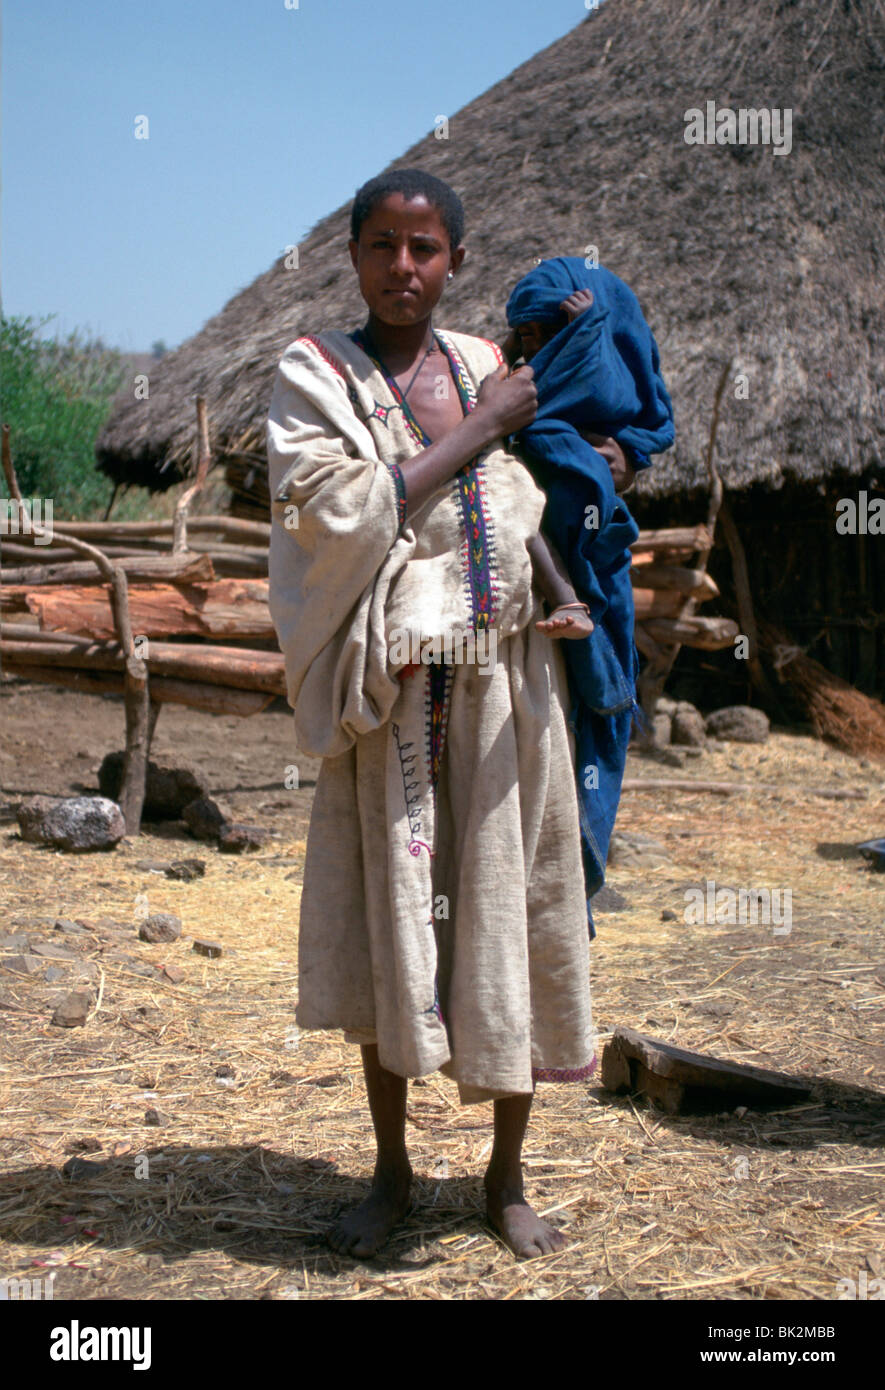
(256, 531)
(656, 603)
(184, 569)
(214, 699)
(236, 607)
(227, 666)
(665, 784)
(696, 584)
(709, 634)
(679, 1081)
(689, 538)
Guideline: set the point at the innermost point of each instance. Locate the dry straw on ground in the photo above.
(265, 1132)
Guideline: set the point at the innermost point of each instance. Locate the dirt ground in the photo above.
(263, 1132)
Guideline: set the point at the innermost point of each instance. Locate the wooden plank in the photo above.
(679, 1080)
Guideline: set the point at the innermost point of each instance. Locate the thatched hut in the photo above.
(772, 259)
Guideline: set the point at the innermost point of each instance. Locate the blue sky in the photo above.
(262, 119)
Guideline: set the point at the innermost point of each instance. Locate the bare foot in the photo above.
(518, 1225)
(569, 623)
(365, 1229)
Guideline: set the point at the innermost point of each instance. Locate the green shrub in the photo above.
(55, 395)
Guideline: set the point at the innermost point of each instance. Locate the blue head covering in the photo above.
(600, 373)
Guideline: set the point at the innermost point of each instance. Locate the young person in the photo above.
(443, 922)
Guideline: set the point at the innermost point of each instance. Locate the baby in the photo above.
(568, 617)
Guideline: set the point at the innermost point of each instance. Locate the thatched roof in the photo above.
(775, 260)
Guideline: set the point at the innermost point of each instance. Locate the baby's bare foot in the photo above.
(365, 1229)
(518, 1225)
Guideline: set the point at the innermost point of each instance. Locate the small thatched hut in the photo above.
(773, 260)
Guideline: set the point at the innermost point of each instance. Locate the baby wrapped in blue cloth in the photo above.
(603, 409)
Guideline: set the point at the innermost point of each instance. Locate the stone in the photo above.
(688, 726)
(63, 924)
(79, 824)
(607, 900)
(186, 870)
(160, 926)
(738, 724)
(631, 849)
(668, 915)
(237, 839)
(207, 948)
(155, 1117)
(17, 942)
(203, 818)
(73, 1010)
(22, 965)
(49, 948)
(173, 973)
(167, 789)
(76, 1168)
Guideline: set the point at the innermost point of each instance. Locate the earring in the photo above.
(451, 275)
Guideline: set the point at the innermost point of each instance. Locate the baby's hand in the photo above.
(577, 303)
(566, 622)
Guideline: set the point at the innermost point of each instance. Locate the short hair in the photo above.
(411, 183)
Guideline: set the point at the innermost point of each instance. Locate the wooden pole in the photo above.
(135, 683)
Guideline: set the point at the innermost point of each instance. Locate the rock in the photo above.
(207, 948)
(738, 724)
(82, 1168)
(160, 926)
(173, 973)
(668, 915)
(17, 942)
(49, 948)
(22, 965)
(237, 839)
(224, 1069)
(73, 1010)
(78, 824)
(631, 849)
(607, 900)
(167, 789)
(70, 928)
(186, 870)
(203, 818)
(662, 727)
(688, 726)
(155, 1117)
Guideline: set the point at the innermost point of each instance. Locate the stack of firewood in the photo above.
(191, 612)
(667, 589)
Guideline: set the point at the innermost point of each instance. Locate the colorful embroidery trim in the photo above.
(563, 1074)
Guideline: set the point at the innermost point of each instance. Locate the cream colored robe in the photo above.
(443, 911)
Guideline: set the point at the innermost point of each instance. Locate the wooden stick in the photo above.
(131, 798)
(179, 526)
(256, 531)
(662, 784)
(214, 699)
(240, 668)
(709, 634)
(675, 538)
(184, 568)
